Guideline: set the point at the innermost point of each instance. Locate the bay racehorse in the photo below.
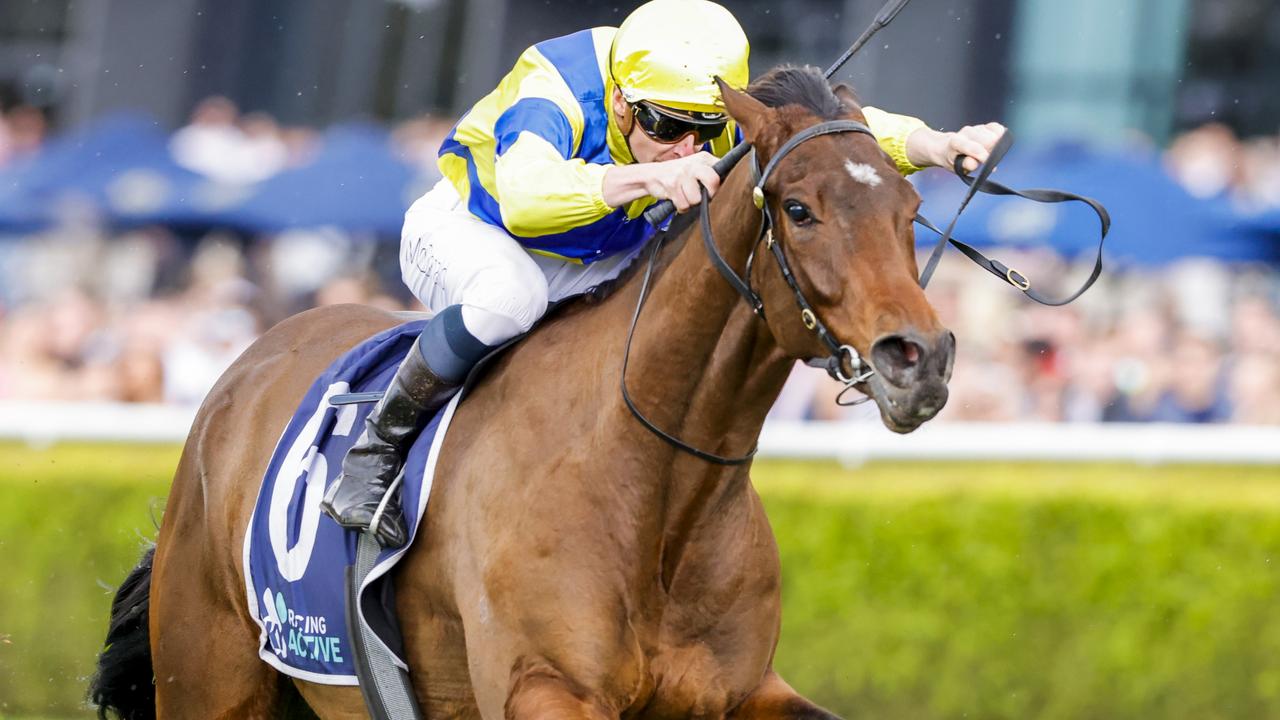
(573, 564)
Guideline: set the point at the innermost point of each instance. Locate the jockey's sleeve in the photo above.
(542, 188)
(891, 132)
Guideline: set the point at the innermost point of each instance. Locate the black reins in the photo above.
(982, 183)
(860, 370)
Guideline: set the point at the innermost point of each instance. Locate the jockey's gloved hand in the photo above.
(677, 180)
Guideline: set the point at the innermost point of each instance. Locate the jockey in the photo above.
(545, 180)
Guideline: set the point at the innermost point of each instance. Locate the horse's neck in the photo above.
(698, 348)
(703, 367)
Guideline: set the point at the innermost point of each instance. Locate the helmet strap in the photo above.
(628, 118)
(626, 121)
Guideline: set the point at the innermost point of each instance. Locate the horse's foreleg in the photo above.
(774, 699)
(540, 691)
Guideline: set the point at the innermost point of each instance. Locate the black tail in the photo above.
(124, 682)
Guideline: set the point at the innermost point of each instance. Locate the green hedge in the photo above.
(910, 591)
(73, 522)
(1008, 605)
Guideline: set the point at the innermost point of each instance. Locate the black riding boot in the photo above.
(366, 490)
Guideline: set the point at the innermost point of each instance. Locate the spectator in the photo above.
(419, 142)
(1255, 389)
(363, 289)
(210, 143)
(263, 152)
(220, 143)
(1206, 161)
(141, 316)
(1195, 391)
(22, 132)
(1210, 161)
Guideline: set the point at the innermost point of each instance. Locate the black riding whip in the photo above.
(884, 17)
(662, 210)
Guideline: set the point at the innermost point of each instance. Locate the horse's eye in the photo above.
(798, 213)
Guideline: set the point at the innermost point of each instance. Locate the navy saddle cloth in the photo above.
(295, 556)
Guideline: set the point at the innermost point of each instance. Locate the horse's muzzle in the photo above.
(912, 370)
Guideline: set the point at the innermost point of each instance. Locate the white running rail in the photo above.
(43, 423)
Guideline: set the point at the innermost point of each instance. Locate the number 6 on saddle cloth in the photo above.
(320, 594)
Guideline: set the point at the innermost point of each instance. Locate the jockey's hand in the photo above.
(677, 180)
(926, 147)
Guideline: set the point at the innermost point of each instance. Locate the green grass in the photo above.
(73, 520)
(911, 590)
(81, 463)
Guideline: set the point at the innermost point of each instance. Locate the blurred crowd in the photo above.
(229, 147)
(151, 316)
(1194, 342)
(1210, 161)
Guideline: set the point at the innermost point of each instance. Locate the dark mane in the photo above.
(798, 85)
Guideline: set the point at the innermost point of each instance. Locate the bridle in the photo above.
(859, 369)
(840, 353)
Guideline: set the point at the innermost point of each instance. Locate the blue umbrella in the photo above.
(1154, 219)
(1267, 222)
(119, 165)
(20, 207)
(19, 211)
(147, 187)
(355, 183)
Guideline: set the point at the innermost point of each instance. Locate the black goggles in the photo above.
(666, 127)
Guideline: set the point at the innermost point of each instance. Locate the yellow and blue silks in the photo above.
(530, 157)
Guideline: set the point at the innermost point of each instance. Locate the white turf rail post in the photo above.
(44, 423)
(855, 443)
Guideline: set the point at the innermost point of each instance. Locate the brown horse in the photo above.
(572, 564)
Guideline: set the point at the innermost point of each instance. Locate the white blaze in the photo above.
(863, 173)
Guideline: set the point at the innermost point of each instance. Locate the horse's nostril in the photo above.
(897, 358)
(911, 353)
(901, 352)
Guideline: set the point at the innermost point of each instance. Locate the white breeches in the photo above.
(450, 257)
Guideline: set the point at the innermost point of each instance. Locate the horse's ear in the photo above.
(846, 96)
(751, 115)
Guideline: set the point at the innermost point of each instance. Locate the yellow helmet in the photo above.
(669, 51)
